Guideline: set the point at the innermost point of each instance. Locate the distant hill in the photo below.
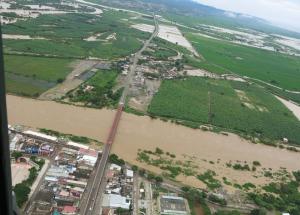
(192, 13)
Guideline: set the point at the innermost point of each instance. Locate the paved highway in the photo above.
(91, 201)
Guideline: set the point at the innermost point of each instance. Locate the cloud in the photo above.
(283, 13)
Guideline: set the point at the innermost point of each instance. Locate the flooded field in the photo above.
(137, 132)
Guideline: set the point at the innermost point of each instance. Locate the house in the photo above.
(129, 173)
(89, 156)
(116, 201)
(115, 167)
(69, 210)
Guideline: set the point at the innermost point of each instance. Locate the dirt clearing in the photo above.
(19, 172)
(291, 106)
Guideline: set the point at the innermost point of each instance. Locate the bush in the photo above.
(297, 175)
(159, 179)
(22, 191)
(16, 154)
(259, 211)
(209, 180)
(256, 163)
(217, 200)
(159, 151)
(142, 172)
(135, 168)
(113, 158)
(223, 212)
(238, 166)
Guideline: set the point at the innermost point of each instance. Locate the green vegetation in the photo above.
(101, 94)
(160, 53)
(47, 69)
(281, 93)
(71, 137)
(38, 161)
(16, 154)
(22, 189)
(30, 76)
(248, 186)
(275, 68)
(65, 34)
(209, 66)
(238, 166)
(279, 196)
(230, 105)
(196, 197)
(209, 180)
(165, 161)
(217, 200)
(113, 158)
(224, 212)
(256, 163)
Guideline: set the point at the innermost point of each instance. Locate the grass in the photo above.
(22, 89)
(191, 99)
(65, 36)
(275, 68)
(31, 76)
(48, 69)
(160, 53)
(281, 93)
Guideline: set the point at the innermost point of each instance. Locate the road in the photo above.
(36, 189)
(91, 201)
(135, 61)
(87, 205)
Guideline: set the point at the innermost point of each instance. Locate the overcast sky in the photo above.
(284, 13)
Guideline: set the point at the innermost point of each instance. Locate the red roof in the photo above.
(110, 174)
(89, 152)
(69, 209)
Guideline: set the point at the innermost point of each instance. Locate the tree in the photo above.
(135, 168)
(159, 179)
(258, 211)
(16, 154)
(22, 191)
(142, 172)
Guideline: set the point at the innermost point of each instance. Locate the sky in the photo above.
(283, 13)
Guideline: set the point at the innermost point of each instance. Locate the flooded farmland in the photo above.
(140, 132)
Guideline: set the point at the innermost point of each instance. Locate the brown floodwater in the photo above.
(141, 132)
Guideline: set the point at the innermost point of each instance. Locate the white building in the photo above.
(116, 201)
(41, 135)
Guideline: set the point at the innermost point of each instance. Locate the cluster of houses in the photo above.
(66, 179)
(119, 189)
(30, 142)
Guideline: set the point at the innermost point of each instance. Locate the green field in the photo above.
(102, 93)
(65, 35)
(30, 76)
(253, 111)
(275, 68)
(160, 53)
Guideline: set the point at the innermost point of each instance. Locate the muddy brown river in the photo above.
(141, 132)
